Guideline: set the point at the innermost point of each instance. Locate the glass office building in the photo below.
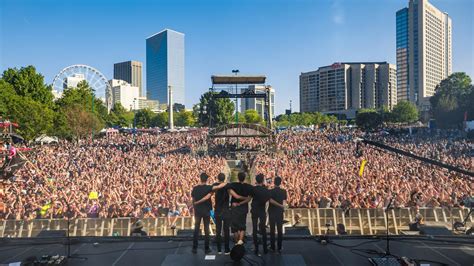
(165, 66)
(402, 55)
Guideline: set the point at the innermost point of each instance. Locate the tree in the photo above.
(119, 116)
(83, 95)
(252, 116)
(218, 111)
(161, 120)
(404, 112)
(143, 118)
(185, 119)
(28, 83)
(81, 122)
(178, 107)
(33, 117)
(453, 97)
(368, 119)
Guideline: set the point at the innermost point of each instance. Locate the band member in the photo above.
(260, 197)
(222, 215)
(202, 210)
(240, 193)
(275, 213)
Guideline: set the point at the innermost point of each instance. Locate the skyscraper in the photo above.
(131, 72)
(424, 51)
(165, 66)
(346, 87)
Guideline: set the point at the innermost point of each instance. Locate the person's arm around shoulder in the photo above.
(205, 198)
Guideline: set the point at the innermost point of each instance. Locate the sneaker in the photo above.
(208, 251)
(194, 250)
(227, 252)
(219, 252)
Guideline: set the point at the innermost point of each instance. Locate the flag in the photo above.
(362, 166)
(93, 195)
(45, 208)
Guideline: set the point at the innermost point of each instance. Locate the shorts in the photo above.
(238, 219)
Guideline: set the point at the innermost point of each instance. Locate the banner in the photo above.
(362, 166)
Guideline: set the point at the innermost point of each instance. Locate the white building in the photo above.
(258, 104)
(72, 81)
(125, 94)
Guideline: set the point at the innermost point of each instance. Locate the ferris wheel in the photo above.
(72, 75)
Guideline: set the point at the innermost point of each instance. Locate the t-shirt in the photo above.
(278, 195)
(243, 189)
(260, 197)
(204, 208)
(221, 198)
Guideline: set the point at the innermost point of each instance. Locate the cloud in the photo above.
(338, 16)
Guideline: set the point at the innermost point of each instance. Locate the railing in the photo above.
(356, 222)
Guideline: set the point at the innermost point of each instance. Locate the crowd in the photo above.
(321, 169)
(132, 176)
(150, 175)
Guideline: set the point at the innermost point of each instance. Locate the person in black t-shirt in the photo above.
(275, 213)
(240, 193)
(202, 210)
(222, 215)
(260, 196)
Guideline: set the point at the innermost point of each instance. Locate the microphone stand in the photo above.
(387, 237)
(68, 237)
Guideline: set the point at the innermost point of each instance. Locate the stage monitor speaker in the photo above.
(297, 231)
(185, 232)
(434, 230)
(52, 233)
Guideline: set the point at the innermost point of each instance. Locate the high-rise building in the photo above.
(424, 51)
(258, 104)
(131, 72)
(346, 87)
(125, 94)
(165, 66)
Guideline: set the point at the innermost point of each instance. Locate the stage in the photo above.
(454, 250)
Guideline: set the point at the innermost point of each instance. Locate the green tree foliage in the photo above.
(28, 83)
(252, 117)
(304, 119)
(453, 97)
(119, 116)
(81, 123)
(178, 107)
(93, 112)
(184, 119)
(33, 117)
(368, 119)
(143, 118)
(404, 112)
(241, 118)
(220, 111)
(161, 120)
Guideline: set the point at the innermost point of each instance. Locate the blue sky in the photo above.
(277, 38)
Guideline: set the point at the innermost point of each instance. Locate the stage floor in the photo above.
(176, 251)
